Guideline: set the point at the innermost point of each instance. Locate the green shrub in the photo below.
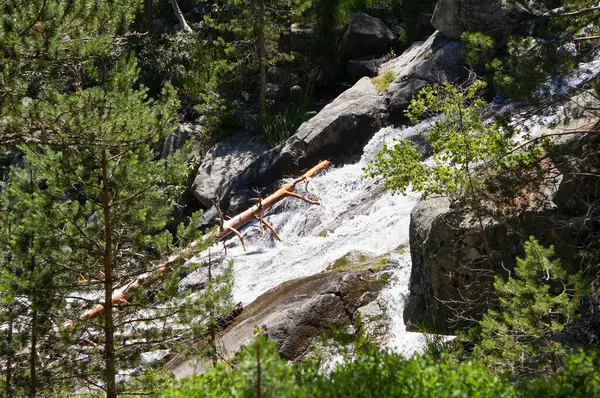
(347, 8)
(260, 372)
(282, 126)
(578, 378)
(382, 82)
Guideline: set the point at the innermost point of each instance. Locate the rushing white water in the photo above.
(355, 214)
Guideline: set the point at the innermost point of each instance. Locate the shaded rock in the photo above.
(342, 127)
(555, 201)
(177, 139)
(451, 280)
(222, 165)
(495, 17)
(365, 35)
(362, 67)
(399, 96)
(445, 65)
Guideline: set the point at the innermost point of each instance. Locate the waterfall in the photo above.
(355, 214)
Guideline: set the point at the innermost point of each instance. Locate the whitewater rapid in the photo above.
(355, 214)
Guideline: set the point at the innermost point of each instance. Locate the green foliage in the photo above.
(203, 84)
(280, 127)
(372, 372)
(383, 81)
(578, 377)
(347, 8)
(460, 140)
(47, 45)
(550, 52)
(478, 47)
(258, 372)
(535, 305)
(30, 283)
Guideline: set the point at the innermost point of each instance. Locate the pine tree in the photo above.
(119, 201)
(256, 28)
(47, 46)
(32, 281)
(535, 306)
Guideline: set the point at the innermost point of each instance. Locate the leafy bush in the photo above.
(260, 372)
(579, 378)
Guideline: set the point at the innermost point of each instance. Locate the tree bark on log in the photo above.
(227, 227)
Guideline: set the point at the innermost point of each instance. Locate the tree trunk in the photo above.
(231, 226)
(109, 333)
(212, 329)
(33, 355)
(183, 26)
(9, 355)
(262, 61)
(148, 24)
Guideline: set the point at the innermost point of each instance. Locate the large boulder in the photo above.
(496, 17)
(365, 35)
(556, 201)
(339, 132)
(222, 165)
(343, 127)
(298, 311)
(451, 281)
(435, 60)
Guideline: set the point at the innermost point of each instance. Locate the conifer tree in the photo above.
(256, 28)
(47, 46)
(119, 198)
(31, 281)
(536, 304)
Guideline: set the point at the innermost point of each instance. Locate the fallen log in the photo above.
(255, 212)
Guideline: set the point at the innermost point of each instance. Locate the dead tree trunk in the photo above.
(255, 212)
(183, 26)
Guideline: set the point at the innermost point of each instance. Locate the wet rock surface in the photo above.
(296, 312)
